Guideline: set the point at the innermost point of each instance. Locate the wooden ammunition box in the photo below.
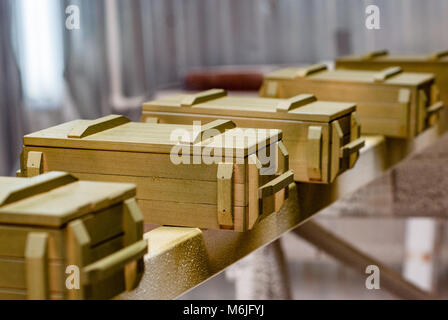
(213, 176)
(323, 138)
(435, 62)
(61, 238)
(389, 102)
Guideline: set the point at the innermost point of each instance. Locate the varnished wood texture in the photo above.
(432, 62)
(389, 101)
(111, 149)
(36, 246)
(296, 117)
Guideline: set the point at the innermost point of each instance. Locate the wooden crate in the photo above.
(435, 62)
(54, 228)
(185, 175)
(323, 138)
(389, 102)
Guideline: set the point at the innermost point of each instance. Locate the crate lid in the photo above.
(390, 76)
(384, 56)
(118, 133)
(304, 107)
(53, 199)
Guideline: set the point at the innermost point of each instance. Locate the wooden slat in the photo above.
(13, 241)
(187, 214)
(13, 274)
(182, 190)
(128, 164)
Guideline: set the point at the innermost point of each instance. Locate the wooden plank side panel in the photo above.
(126, 163)
(185, 190)
(13, 241)
(13, 294)
(294, 138)
(339, 91)
(187, 214)
(13, 274)
(105, 224)
(440, 69)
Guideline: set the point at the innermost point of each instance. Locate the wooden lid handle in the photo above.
(374, 54)
(277, 184)
(98, 125)
(206, 130)
(295, 102)
(386, 74)
(34, 186)
(303, 72)
(203, 96)
(113, 263)
(438, 54)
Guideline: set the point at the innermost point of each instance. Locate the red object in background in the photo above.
(228, 80)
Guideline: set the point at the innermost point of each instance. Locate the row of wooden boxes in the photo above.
(203, 160)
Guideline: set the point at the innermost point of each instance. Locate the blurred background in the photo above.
(125, 52)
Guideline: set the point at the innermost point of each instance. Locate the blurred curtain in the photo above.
(104, 58)
(11, 111)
